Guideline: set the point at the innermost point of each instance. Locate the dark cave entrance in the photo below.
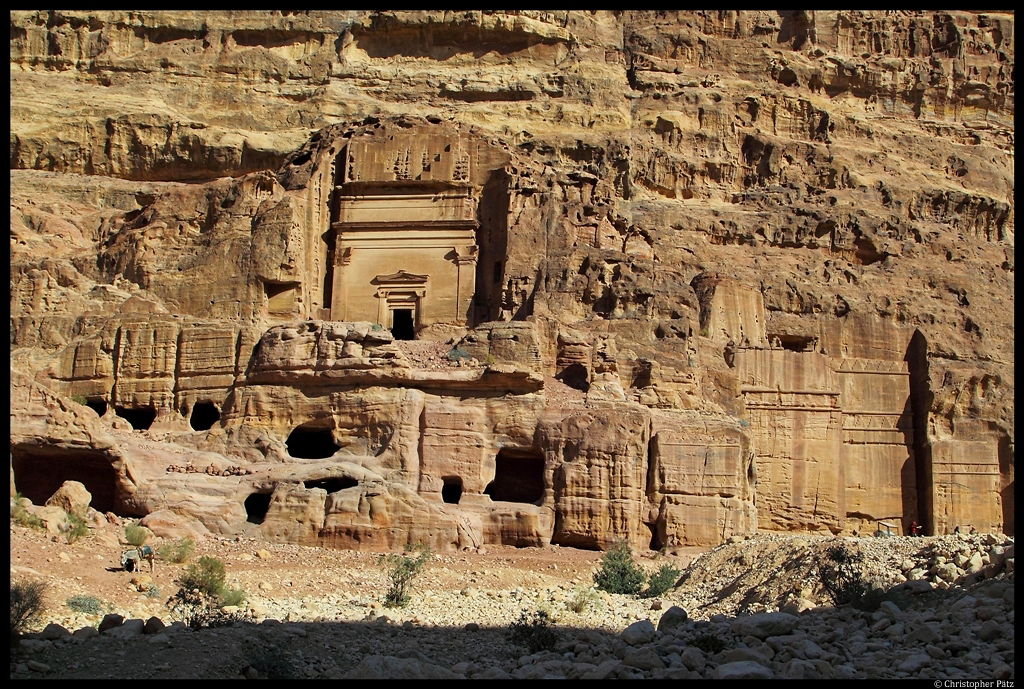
(307, 442)
(793, 343)
(402, 327)
(256, 507)
(332, 484)
(656, 542)
(204, 415)
(451, 491)
(518, 477)
(40, 471)
(97, 405)
(920, 404)
(140, 419)
(575, 376)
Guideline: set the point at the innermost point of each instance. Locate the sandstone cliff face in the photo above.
(694, 273)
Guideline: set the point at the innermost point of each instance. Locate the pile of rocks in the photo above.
(211, 470)
(955, 633)
(960, 559)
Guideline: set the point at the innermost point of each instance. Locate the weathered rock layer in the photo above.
(697, 272)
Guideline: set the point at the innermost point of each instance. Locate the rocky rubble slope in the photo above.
(940, 626)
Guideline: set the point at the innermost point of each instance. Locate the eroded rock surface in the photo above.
(772, 252)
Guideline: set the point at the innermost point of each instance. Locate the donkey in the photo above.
(132, 559)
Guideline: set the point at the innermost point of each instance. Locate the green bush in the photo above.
(22, 517)
(457, 354)
(619, 573)
(207, 577)
(77, 529)
(661, 581)
(401, 570)
(80, 399)
(135, 534)
(88, 604)
(841, 574)
(180, 551)
(709, 643)
(26, 606)
(152, 591)
(233, 596)
(583, 599)
(533, 632)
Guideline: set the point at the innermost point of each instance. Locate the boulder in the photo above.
(53, 632)
(153, 625)
(110, 621)
(643, 658)
(672, 618)
(127, 630)
(640, 632)
(745, 669)
(72, 497)
(171, 525)
(54, 518)
(914, 662)
(765, 624)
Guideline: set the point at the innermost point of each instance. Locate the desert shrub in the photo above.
(661, 581)
(583, 599)
(233, 596)
(455, 354)
(270, 662)
(841, 574)
(80, 399)
(401, 570)
(709, 643)
(533, 632)
(22, 517)
(135, 534)
(207, 576)
(152, 591)
(180, 551)
(90, 605)
(26, 606)
(76, 530)
(619, 573)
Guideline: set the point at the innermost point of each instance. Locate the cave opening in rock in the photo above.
(793, 343)
(656, 542)
(403, 328)
(140, 419)
(97, 405)
(332, 484)
(451, 491)
(518, 477)
(307, 442)
(256, 507)
(575, 376)
(204, 415)
(921, 398)
(40, 471)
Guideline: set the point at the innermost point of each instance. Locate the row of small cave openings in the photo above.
(518, 477)
(201, 417)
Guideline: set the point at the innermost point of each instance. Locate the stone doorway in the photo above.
(402, 324)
